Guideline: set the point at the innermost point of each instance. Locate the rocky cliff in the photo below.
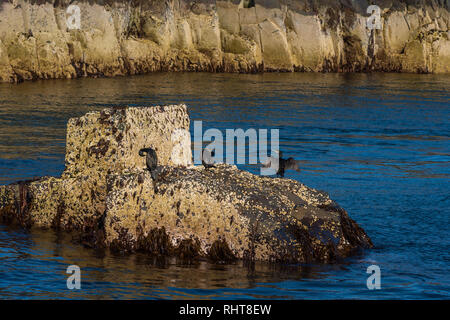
(40, 39)
(106, 197)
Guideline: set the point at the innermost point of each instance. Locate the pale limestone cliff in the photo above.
(106, 197)
(118, 37)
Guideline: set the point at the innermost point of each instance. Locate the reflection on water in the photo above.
(379, 144)
(113, 276)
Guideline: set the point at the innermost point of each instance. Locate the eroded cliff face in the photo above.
(119, 37)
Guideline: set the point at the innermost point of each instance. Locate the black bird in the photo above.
(151, 159)
(207, 158)
(287, 164)
(283, 164)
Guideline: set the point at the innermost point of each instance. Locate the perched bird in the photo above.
(283, 164)
(287, 164)
(151, 161)
(207, 158)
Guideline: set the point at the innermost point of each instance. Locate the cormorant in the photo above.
(151, 160)
(283, 164)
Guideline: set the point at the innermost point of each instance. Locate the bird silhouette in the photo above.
(151, 160)
(283, 164)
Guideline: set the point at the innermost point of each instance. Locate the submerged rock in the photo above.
(109, 199)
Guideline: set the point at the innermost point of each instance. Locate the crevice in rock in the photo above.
(23, 205)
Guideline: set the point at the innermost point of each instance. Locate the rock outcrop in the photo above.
(117, 37)
(108, 198)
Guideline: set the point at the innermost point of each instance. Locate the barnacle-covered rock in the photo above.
(109, 198)
(110, 140)
(256, 218)
(98, 143)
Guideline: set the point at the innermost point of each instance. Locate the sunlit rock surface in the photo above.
(258, 218)
(121, 37)
(110, 140)
(98, 144)
(108, 198)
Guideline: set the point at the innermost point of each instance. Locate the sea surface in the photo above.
(379, 144)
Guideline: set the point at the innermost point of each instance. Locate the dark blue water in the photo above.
(379, 144)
